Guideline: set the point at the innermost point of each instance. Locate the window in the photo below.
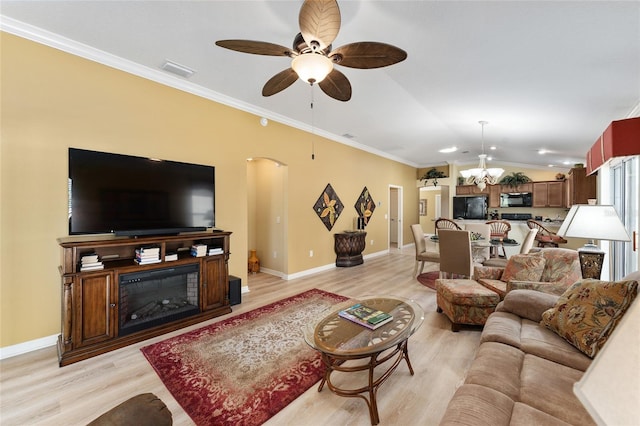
(625, 198)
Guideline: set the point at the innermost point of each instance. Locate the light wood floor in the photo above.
(34, 390)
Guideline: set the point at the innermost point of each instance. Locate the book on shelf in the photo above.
(147, 255)
(89, 258)
(147, 261)
(138, 257)
(171, 257)
(148, 251)
(198, 250)
(95, 267)
(91, 264)
(366, 316)
(214, 251)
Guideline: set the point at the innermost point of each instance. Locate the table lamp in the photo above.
(593, 222)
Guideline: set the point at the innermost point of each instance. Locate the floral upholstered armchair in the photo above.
(550, 270)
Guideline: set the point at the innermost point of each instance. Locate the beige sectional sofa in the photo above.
(523, 373)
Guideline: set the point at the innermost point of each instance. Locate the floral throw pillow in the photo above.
(524, 267)
(588, 311)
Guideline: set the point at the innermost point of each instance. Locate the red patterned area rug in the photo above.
(243, 370)
(428, 279)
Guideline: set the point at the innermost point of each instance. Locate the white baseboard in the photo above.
(32, 345)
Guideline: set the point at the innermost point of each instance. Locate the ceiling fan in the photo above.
(312, 56)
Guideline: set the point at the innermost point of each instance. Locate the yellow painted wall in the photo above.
(51, 101)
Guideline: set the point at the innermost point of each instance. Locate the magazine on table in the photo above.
(366, 316)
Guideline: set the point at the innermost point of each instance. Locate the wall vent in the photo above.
(177, 69)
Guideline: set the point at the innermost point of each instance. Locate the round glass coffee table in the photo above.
(340, 340)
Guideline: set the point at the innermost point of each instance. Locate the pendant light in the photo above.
(481, 175)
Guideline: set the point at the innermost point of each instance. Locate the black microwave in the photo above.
(516, 199)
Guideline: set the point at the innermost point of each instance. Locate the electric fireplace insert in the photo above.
(154, 297)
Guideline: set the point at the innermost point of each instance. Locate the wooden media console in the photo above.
(97, 315)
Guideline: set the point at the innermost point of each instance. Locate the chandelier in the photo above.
(481, 175)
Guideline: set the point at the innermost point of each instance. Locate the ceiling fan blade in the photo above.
(319, 22)
(279, 82)
(255, 47)
(367, 54)
(336, 85)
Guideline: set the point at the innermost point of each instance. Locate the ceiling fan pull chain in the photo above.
(313, 149)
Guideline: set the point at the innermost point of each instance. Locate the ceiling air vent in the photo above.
(177, 69)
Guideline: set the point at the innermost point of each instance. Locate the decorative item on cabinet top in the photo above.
(434, 174)
(328, 207)
(515, 179)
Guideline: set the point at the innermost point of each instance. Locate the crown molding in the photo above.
(56, 41)
(635, 111)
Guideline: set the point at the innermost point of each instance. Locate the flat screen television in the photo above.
(128, 195)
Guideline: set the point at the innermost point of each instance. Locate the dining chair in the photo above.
(525, 248)
(455, 253)
(544, 237)
(499, 230)
(422, 254)
(484, 232)
(444, 223)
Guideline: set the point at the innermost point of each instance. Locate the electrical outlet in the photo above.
(371, 242)
(310, 253)
(275, 254)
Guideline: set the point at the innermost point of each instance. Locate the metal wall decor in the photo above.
(328, 207)
(365, 206)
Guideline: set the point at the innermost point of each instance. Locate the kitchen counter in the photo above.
(519, 230)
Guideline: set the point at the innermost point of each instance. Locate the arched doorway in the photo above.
(267, 213)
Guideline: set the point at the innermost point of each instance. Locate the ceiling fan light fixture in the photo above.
(312, 67)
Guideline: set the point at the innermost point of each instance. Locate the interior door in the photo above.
(393, 216)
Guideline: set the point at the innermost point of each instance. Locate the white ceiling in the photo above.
(545, 74)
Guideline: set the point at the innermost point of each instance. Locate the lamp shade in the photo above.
(312, 67)
(594, 222)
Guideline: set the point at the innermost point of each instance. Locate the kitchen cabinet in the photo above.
(548, 194)
(494, 196)
(579, 187)
(471, 190)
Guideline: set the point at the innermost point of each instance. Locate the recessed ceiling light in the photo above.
(493, 148)
(542, 151)
(566, 163)
(448, 150)
(550, 165)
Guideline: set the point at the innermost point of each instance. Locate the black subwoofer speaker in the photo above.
(235, 290)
